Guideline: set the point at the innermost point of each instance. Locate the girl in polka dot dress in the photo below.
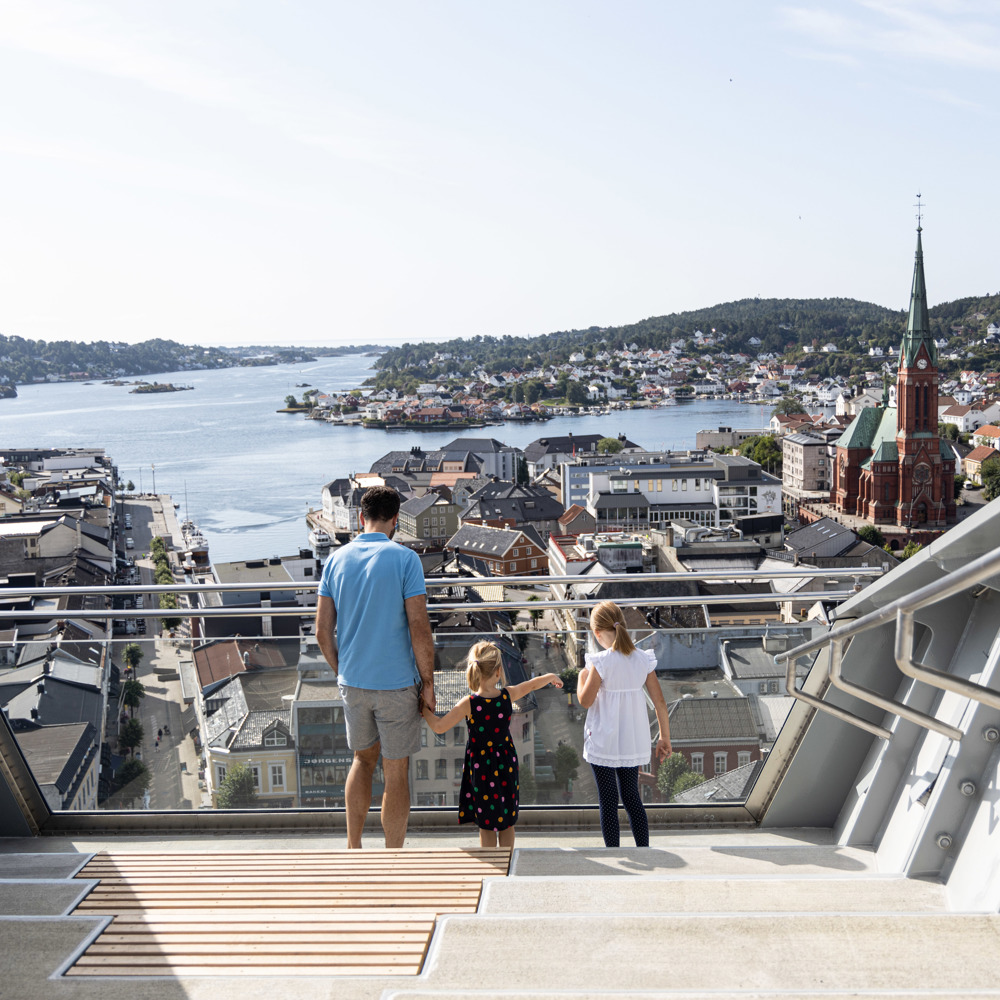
(488, 796)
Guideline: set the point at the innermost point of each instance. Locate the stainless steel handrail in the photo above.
(457, 581)
(902, 611)
(256, 610)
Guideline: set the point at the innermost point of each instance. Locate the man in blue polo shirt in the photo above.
(372, 591)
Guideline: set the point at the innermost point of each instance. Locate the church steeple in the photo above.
(918, 326)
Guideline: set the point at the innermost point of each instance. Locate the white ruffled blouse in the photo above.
(616, 733)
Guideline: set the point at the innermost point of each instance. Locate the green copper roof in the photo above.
(861, 430)
(883, 437)
(918, 325)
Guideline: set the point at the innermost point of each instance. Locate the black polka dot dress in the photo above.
(489, 783)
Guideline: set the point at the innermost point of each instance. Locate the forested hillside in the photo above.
(782, 326)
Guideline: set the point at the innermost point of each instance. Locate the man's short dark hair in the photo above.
(379, 503)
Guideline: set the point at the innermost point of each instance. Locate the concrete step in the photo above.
(41, 897)
(685, 860)
(711, 895)
(737, 955)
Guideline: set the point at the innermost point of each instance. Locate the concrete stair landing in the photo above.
(747, 914)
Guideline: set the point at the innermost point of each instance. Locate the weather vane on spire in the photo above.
(919, 209)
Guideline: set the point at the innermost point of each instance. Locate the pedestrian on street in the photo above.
(372, 590)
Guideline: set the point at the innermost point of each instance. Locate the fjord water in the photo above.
(247, 474)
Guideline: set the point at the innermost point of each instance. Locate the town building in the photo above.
(892, 467)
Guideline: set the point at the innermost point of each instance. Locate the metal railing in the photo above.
(432, 583)
(903, 612)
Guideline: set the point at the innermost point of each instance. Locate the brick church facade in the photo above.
(891, 466)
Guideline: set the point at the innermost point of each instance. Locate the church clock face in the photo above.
(922, 363)
(922, 473)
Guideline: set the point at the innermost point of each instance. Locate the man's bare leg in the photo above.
(396, 801)
(358, 792)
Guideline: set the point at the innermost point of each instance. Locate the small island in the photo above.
(160, 387)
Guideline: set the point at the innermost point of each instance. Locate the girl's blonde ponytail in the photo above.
(608, 617)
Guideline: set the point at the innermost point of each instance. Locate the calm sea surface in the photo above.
(246, 474)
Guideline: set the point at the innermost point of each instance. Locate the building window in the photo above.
(459, 766)
(697, 763)
(525, 730)
(277, 776)
(649, 485)
(742, 758)
(635, 486)
(516, 553)
(659, 485)
(534, 564)
(673, 485)
(440, 768)
(684, 485)
(459, 736)
(275, 739)
(421, 770)
(721, 763)
(423, 735)
(220, 774)
(440, 739)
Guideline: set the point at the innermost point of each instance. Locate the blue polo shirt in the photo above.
(368, 580)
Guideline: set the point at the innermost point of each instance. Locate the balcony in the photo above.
(867, 837)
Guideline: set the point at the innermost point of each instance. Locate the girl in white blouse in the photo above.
(616, 734)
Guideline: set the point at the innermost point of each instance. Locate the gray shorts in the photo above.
(389, 717)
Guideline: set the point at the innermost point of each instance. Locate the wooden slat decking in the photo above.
(286, 913)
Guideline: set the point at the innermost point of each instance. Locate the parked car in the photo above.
(970, 485)
(129, 543)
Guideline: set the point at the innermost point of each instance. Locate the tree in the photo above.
(669, 772)
(609, 446)
(764, 450)
(990, 476)
(566, 764)
(534, 614)
(131, 735)
(687, 780)
(869, 533)
(910, 549)
(788, 405)
(528, 792)
(238, 789)
(133, 778)
(522, 469)
(130, 487)
(576, 394)
(569, 677)
(132, 655)
(132, 694)
(291, 402)
(949, 432)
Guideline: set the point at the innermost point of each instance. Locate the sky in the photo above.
(316, 172)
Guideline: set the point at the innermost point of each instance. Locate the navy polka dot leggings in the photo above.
(623, 781)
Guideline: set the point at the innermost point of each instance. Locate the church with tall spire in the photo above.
(891, 466)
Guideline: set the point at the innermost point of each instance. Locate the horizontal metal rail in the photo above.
(902, 611)
(433, 582)
(289, 611)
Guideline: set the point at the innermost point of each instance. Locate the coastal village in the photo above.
(154, 694)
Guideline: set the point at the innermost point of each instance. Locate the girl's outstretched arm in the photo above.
(520, 690)
(587, 686)
(441, 724)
